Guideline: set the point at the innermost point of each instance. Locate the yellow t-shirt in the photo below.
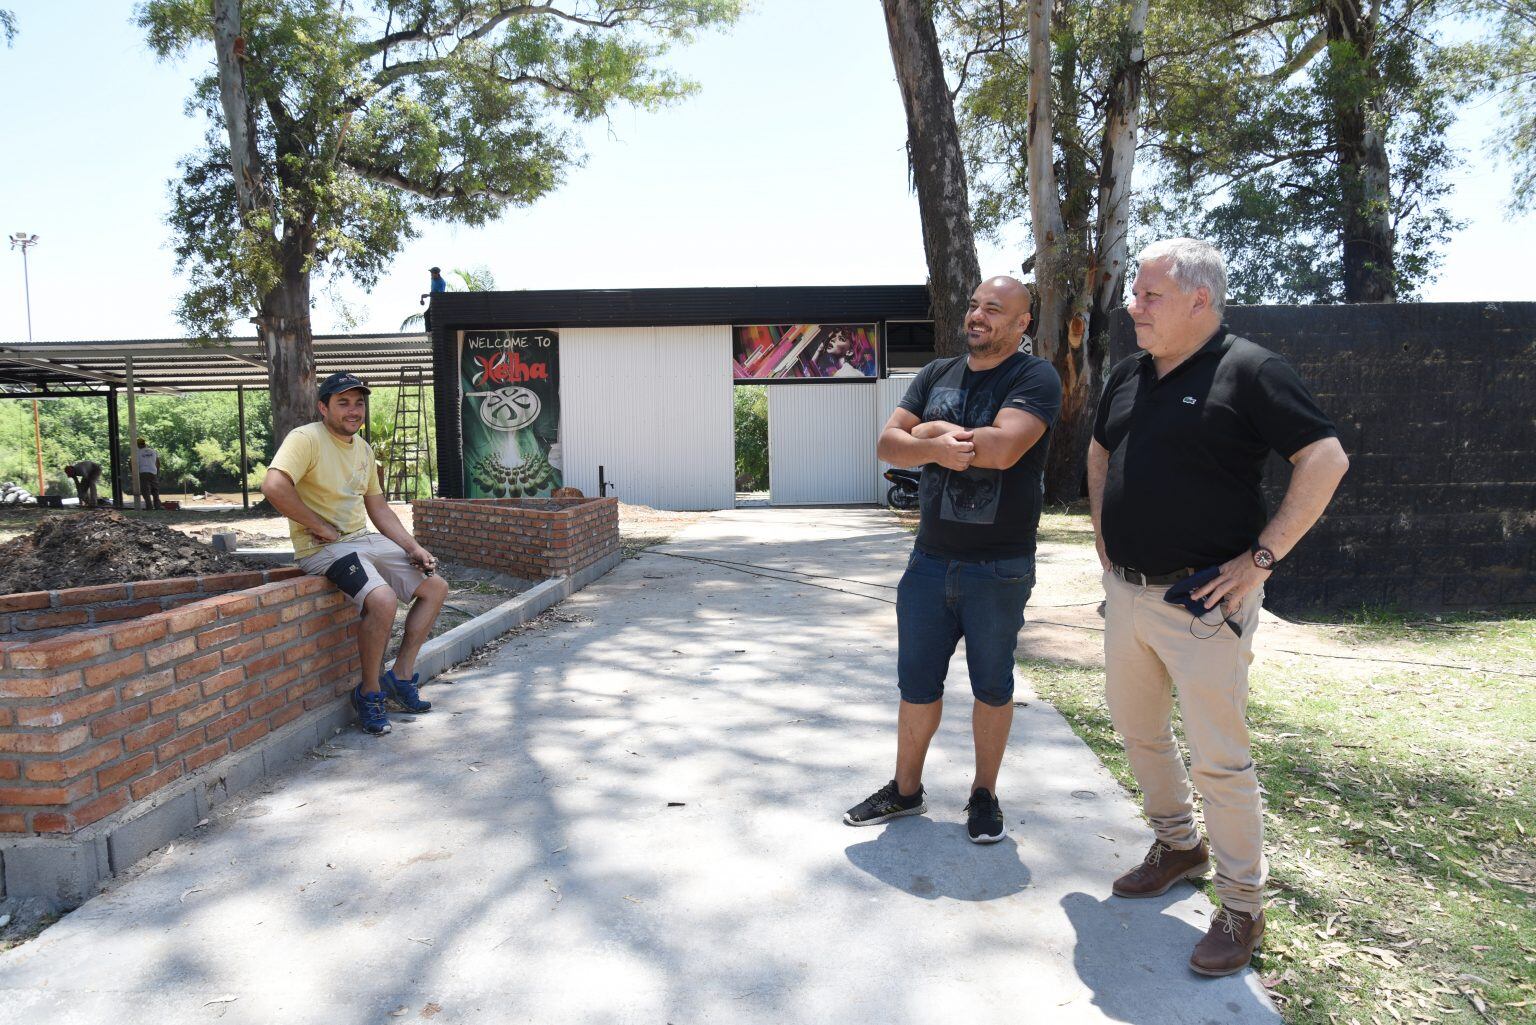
(331, 477)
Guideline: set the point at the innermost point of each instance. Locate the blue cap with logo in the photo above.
(341, 382)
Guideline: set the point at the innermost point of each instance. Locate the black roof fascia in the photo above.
(654, 307)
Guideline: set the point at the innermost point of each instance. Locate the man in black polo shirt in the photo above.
(977, 425)
(1179, 444)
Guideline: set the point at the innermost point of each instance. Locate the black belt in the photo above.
(1132, 576)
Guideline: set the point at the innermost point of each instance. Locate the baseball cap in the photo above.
(341, 382)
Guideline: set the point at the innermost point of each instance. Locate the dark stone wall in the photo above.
(1434, 404)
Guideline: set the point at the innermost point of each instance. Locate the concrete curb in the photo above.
(69, 871)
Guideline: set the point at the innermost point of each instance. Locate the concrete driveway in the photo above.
(632, 814)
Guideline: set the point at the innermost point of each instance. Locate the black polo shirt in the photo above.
(1187, 452)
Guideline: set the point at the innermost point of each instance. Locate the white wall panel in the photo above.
(891, 390)
(653, 406)
(821, 443)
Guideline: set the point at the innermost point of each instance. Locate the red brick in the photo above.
(220, 727)
(65, 712)
(115, 774)
(211, 754)
(107, 672)
(249, 735)
(277, 681)
(284, 573)
(118, 613)
(57, 652)
(44, 743)
(160, 654)
(237, 654)
(260, 666)
(191, 617)
(278, 638)
(151, 734)
(220, 682)
(234, 604)
(55, 771)
(181, 745)
(311, 585)
(178, 698)
(219, 636)
(238, 581)
(10, 770)
(149, 784)
(41, 687)
(93, 595)
(24, 601)
(40, 796)
(130, 716)
(151, 629)
(299, 652)
(14, 822)
(241, 695)
(199, 666)
(147, 684)
(199, 713)
(284, 716)
(53, 620)
(98, 809)
(252, 624)
(297, 610)
(157, 588)
(277, 594)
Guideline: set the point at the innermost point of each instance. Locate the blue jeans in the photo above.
(941, 600)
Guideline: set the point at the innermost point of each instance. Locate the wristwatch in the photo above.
(1263, 557)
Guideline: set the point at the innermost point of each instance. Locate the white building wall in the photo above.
(653, 407)
(821, 443)
(891, 390)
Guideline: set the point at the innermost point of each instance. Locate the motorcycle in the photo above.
(902, 493)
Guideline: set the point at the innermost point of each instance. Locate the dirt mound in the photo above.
(104, 548)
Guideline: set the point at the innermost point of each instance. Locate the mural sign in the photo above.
(780, 352)
(509, 388)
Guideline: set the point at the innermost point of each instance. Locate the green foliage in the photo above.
(1507, 64)
(8, 26)
(751, 437)
(383, 405)
(471, 279)
(371, 115)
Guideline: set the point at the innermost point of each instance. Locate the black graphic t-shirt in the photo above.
(978, 515)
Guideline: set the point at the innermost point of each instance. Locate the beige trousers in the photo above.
(1151, 650)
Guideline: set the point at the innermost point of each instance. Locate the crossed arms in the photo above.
(907, 441)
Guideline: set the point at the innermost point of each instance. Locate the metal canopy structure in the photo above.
(40, 370)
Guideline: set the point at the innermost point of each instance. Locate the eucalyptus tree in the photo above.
(335, 126)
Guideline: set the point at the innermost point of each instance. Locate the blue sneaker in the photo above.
(371, 715)
(403, 693)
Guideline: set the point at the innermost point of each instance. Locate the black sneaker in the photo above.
(884, 805)
(985, 817)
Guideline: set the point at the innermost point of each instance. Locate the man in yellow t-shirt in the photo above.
(325, 480)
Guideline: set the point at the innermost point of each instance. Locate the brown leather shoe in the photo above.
(1230, 943)
(1162, 867)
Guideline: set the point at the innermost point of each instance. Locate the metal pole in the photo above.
(245, 473)
(133, 434)
(115, 433)
(26, 282)
(37, 436)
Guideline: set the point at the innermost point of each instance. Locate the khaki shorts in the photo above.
(360, 564)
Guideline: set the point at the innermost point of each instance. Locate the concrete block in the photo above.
(65, 872)
(233, 774)
(153, 828)
(291, 743)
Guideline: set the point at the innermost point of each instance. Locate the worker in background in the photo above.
(149, 474)
(85, 474)
(438, 285)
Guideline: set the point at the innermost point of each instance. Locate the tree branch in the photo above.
(426, 190)
(1306, 10)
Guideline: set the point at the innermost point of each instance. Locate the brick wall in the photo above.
(533, 538)
(1433, 404)
(39, 614)
(94, 719)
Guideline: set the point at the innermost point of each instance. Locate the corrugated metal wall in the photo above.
(891, 390)
(653, 406)
(821, 443)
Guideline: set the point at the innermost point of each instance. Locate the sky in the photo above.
(787, 168)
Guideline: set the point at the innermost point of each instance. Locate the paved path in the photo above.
(633, 817)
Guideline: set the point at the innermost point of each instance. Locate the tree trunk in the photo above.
(244, 157)
(938, 170)
(289, 342)
(1364, 171)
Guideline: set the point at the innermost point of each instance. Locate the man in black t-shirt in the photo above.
(977, 425)
(1179, 444)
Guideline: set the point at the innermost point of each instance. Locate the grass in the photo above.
(1400, 810)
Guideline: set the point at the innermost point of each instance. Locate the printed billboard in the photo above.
(509, 407)
(785, 352)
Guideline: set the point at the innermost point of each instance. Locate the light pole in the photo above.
(23, 241)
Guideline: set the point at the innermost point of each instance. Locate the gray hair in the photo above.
(1192, 264)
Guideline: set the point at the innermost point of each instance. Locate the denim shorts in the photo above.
(941, 600)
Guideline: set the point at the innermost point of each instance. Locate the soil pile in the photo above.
(104, 548)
